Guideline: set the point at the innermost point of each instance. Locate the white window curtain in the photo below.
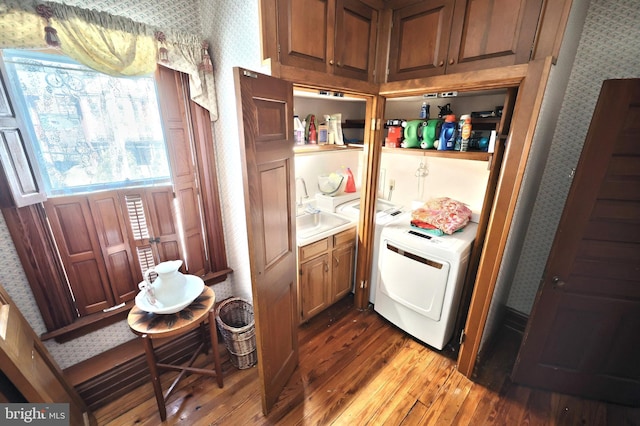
(110, 44)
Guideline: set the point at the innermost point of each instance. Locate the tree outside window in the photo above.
(90, 131)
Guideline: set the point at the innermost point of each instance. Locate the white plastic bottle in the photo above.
(424, 111)
(298, 130)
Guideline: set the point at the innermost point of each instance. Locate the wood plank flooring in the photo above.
(357, 369)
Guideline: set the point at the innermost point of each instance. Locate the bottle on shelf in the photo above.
(459, 132)
(298, 131)
(424, 111)
(448, 134)
(312, 132)
(466, 134)
(304, 131)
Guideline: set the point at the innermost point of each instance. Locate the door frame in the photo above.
(531, 81)
(523, 123)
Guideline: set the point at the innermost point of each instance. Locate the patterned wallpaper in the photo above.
(547, 122)
(609, 48)
(178, 15)
(233, 29)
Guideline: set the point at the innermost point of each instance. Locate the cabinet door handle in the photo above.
(452, 61)
(441, 64)
(339, 64)
(337, 261)
(331, 62)
(557, 282)
(326, 267)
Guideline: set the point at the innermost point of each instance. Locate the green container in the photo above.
(411, 136)
(430, 133)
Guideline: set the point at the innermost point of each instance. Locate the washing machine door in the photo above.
(415, 280)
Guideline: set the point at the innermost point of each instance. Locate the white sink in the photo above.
(310, 224)
(311, 227)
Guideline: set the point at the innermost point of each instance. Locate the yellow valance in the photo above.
(110, 44)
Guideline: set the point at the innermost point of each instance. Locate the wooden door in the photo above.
(492, 33)
(582, 335)
(355, 40)
(305, 33)
(420, 39)
(265, 109)
(28, 365)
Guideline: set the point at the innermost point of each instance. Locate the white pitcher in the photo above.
(167, 287)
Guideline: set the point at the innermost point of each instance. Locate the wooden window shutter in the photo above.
(208, 185)
(36, 248)
(114, 241)
(174, 106)
(164, 231)
(141, 236)
(20, 183)
(145, 258)
(137, 216)
(77, 240)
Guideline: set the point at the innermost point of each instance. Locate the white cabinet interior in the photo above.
(312, 161)
(409, 179)
(404, 180)
(351, 108)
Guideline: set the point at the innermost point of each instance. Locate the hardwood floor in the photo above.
(355, 369)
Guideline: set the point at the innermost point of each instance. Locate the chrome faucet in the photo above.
(304, 186)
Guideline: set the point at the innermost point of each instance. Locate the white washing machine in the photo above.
(386, 212)
(421, 278)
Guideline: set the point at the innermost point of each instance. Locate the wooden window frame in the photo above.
(37, 249)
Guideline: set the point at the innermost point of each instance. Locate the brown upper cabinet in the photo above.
(335, 37)
(437, 37)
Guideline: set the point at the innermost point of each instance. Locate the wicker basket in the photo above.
(234, 317)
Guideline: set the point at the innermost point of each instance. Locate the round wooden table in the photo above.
(150, 326)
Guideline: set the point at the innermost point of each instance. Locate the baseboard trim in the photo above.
(99, 380)
(515, 320)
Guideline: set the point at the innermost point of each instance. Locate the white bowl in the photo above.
(191, 290)
(330, 184)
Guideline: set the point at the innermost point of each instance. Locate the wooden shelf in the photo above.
(314, 148)
(467, 155)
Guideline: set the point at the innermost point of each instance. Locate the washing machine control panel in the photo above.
(431, 239)
(417, 238)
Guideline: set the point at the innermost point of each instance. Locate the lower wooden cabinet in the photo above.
(325, 271)
(313, 286)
